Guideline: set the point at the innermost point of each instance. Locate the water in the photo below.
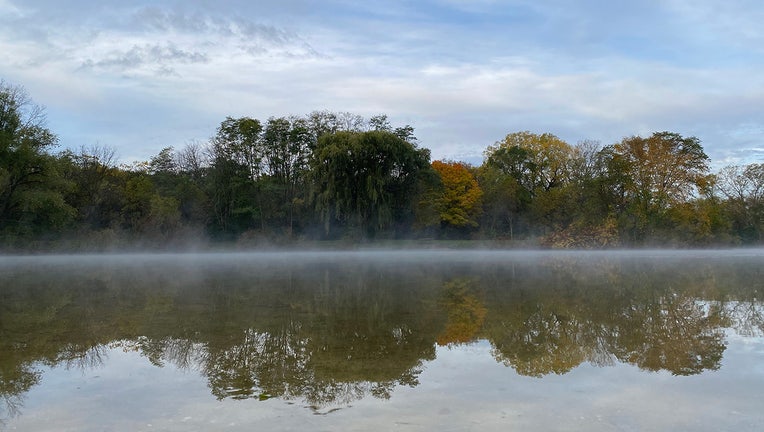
(383, 340)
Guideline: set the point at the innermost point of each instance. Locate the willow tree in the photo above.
(366, 180)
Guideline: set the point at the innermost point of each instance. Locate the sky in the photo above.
(139, 76)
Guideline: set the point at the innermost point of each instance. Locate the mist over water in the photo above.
(378, 254)
(383, 338)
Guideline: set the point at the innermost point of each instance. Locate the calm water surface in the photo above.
(383, 340)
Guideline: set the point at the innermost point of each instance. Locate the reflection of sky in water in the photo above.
(463, 388)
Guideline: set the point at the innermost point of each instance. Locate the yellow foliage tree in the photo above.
(461, 202)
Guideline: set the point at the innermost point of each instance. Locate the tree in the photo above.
(322, 122)
(537, 162)
(664, 169)
(460, 202)
(236, 161)
(743, 189)
(239, 141)
(365, 180)
(580, 211)
(327, 122)
(31, 198)
(380, 123)
(286, 149)
(505, 202)
(585, 200)
(139, 191)
(164, 162)
(98, 192)
(516, 172)
(192, 160)
(350, 122)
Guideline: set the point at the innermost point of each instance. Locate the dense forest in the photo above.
(339, 176)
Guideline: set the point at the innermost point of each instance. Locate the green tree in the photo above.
(701, 221)
(537, 162)
(380, 123)
(31, 189)
(240, 141)
(320, 123)
(286, 147)
(191, 189)
(504, 202)
(98, 191)
(236, 162)
(523, 171)
(366, 180)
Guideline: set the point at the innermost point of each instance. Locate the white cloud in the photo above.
(463, 79)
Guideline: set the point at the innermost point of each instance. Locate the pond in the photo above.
(383, 340)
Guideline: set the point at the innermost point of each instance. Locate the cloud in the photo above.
(151, 39)
(464, 74)
(161, 56)
(158, 20)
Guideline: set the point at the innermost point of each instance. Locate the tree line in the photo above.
(340, 176)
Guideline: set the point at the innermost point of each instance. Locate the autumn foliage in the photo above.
(460, 202)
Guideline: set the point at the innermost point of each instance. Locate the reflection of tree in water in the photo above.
(330, 333)
(17, 379)
(541, 317)
(545, 342)
(327, 340)
(345, 338)
(73, 356)
(746, 317)
(647, 315)
(675, 333)
(14, 383)
(464, 310)
(261, 364)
